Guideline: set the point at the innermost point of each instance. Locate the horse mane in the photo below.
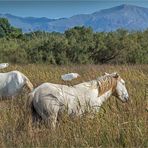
(106, 83)
(103, 83)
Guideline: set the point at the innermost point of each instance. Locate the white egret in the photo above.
(3, 65)
(69, 76)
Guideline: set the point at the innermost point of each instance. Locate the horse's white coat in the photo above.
(11, 83)
(69, 76)
(3, 65)
(49, 99)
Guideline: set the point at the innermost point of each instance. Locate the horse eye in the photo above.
(123, 82)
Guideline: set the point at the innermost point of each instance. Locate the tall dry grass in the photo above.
(116, 125)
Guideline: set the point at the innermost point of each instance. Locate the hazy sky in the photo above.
(61, 8)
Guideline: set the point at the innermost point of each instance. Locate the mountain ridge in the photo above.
(130, 17)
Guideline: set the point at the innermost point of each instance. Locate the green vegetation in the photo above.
(6, 30)
(116, 125)
(78, 45)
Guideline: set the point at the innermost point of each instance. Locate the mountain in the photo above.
(129, 17)
(124, 16)
(28, 24)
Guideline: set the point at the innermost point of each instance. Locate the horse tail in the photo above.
(30, 98)
(29, 104)
(31, 109)
(29, 84)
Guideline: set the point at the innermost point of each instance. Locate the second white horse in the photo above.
(12, 83)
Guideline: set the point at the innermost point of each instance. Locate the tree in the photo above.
(6, 30)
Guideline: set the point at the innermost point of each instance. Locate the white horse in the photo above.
(50, 100)
(12, 83)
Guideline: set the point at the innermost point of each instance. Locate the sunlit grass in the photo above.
(116, 125)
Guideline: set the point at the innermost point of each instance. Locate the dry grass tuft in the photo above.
(116, 125)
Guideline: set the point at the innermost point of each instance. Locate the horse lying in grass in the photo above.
(50, 100)
(12, 83)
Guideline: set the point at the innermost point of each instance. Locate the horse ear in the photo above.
(116, 75)
(106, 73)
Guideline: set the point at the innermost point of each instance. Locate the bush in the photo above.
(78, 45)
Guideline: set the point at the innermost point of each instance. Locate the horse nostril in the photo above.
(126, 98)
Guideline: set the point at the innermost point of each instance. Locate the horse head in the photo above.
(120, 90)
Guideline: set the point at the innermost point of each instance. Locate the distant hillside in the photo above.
(28, 23)
(124, 16)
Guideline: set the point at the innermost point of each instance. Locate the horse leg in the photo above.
(54, 116)
(53, 119)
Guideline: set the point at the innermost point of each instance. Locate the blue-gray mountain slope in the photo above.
(124, 16)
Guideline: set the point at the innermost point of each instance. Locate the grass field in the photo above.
(116, 125)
